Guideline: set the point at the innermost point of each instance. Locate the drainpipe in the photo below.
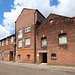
(15, 44)
(34, 39)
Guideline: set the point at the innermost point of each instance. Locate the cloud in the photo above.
(3, 32)
(65, 8)
(10, 18)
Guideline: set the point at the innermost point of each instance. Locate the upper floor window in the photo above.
(51, 21)
(20, 43)
(6, 41)
(53, 56)
(12, 40)
(44, 42)
(27, 29)
(27, 42)
(63, 39)
(20, 34)
(2, 42)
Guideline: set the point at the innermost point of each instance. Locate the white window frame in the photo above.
(2, 53)
(20, 43)
(28, 57)
(6, 41)
(20, 33)
(27, 29)
(5, 54)
(27, 44)
(19, 56)
(11, 40)
(62, 39)
(2, 42)
(53, 56)
(44, 41)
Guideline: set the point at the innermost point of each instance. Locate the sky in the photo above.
(11, 9)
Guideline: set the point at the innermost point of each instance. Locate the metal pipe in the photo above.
(15, 44)
(34, 39)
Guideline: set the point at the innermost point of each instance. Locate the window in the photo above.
(2, 42)
(28, 57)
(12, 40)
(2, 53)
(62, 39)
(51, 21)
(5, 54)
(20, 43)
(27, 29)
(44, 42)
(7, 41)
(53, 56)
(27, 42)
(20, 34)
(19, 57)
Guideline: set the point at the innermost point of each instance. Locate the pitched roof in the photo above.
(7, 37)
(29, 9)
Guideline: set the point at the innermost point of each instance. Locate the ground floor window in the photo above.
(53, 56)
(5, 54)
(19, 56)
(2, 53)
(28, 57)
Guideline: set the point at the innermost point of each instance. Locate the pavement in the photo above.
(42, 66)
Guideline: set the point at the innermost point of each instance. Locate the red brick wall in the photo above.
(26, 19)
(6, 49)
(65, 56)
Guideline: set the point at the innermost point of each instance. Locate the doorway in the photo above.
(11, 55)
(43, 57)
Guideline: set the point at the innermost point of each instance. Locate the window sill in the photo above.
(62, 45)
(28, 59)
(27, 46)
(6, 45)
(27, 32)
(18, 58)
(5, 57)
(53, 59)
(44, 47)
(19, 47)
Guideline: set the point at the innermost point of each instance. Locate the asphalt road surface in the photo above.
(10, 69)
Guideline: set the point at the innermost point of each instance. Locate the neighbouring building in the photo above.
(55, 41)
(6, 48)
(48, 40)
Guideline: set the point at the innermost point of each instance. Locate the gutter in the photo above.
(15, 44)
(34, 39)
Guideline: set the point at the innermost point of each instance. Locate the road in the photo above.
(10, 69)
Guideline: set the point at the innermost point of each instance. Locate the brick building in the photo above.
(26, 25)
(6, 48)
(40, 40)
(55, 41)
